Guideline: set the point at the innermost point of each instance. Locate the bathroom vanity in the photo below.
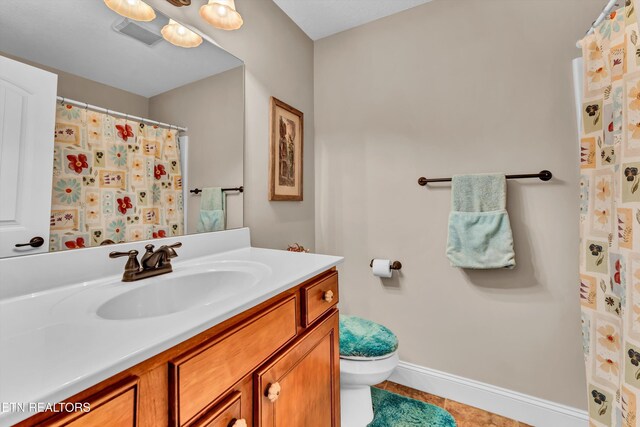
(260, 347)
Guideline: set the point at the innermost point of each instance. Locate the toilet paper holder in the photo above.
(395, 265)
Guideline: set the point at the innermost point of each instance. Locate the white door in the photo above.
(27, 123)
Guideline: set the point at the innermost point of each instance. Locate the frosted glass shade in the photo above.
(133, 9)
(179, 35)
(221, 14)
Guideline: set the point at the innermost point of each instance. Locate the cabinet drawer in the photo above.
(202, 375)
(117, 406)
(318, 298)
(227, 414)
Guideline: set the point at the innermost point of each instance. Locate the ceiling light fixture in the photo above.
(221, 14)
(132, 9)
(180, 35)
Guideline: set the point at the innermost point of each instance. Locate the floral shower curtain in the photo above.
(113, 180)
(610, 219)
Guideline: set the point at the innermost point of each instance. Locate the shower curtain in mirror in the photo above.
(610, 219)
(113, 180)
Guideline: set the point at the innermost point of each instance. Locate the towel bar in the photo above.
(543, 175)
(238, 189)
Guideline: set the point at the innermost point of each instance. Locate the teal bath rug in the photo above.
(393, 410)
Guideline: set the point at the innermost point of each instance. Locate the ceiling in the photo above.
(322, 18)
(76, 36)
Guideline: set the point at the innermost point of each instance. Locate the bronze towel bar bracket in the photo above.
(238, 189)
(543, 175)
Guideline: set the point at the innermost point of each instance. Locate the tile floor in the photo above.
(465, 416)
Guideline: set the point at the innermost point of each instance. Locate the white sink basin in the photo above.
(175, 292)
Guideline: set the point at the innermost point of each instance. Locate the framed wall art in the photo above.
(286, 149)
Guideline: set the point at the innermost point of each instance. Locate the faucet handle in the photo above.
(131, 267)
(130, 254)
(169, 250)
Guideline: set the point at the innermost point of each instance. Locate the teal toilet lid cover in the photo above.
(363, 338)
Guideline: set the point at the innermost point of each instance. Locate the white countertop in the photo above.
(53, 345)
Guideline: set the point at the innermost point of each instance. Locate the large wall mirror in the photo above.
(110, 133)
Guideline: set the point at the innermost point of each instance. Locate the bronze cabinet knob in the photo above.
(35, 242)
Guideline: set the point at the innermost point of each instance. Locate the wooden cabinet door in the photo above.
(226, 414)
(300, 386)
(116, 406)
(235, 409)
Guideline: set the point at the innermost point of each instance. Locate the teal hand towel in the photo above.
(479, 230)
(478, 193)
(212, 205)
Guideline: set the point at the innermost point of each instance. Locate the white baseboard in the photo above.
(508, 403)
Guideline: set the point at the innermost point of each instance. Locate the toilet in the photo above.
(368, 356)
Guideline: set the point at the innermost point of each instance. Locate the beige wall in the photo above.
(278, 59)
(453, 87)
(213, 110)
(101, 95)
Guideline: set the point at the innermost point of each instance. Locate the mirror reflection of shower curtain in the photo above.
(114, 180)
(183, 143)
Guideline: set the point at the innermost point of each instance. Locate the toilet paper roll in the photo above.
(381, 268)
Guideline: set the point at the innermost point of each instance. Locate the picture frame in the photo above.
(286, 149)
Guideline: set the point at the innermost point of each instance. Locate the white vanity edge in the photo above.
(51, 271)
(29, 274)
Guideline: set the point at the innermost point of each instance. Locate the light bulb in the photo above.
(221, 14)
(132, 9)
(179, 35)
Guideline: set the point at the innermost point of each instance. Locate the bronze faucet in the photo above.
(153, 263)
